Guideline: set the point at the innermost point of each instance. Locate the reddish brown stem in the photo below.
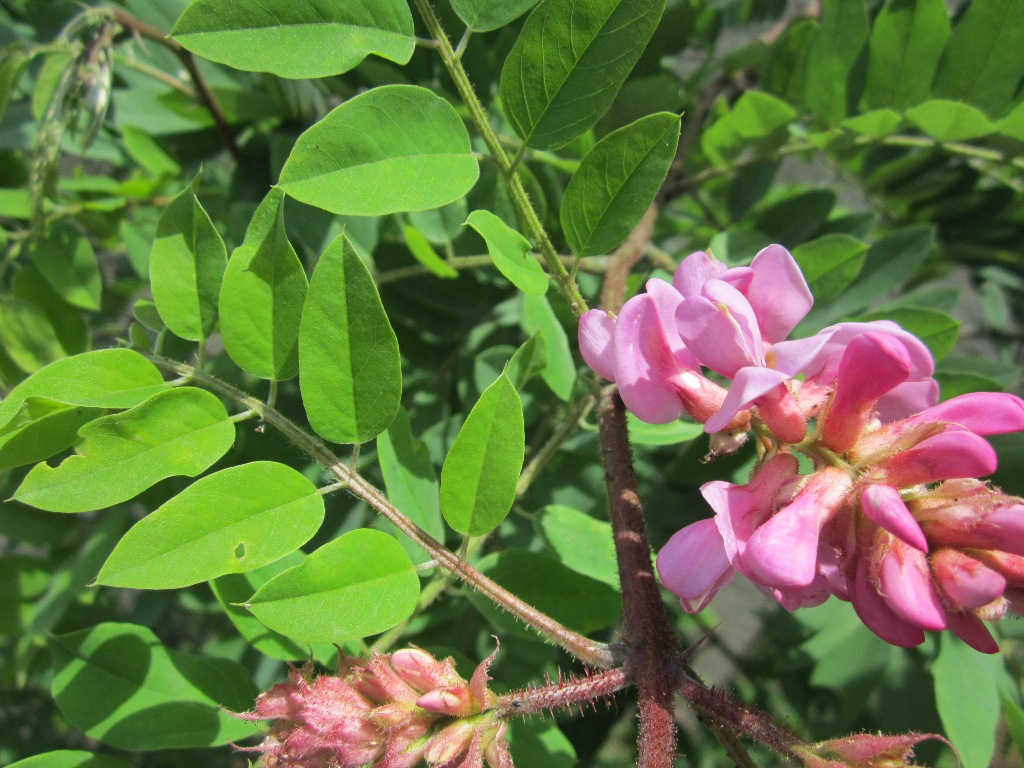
(565, 694)
(206, 95)
(654, 658)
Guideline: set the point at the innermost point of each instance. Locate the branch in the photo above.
(588, 651)
(203, 91)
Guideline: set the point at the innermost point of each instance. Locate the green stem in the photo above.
(566, 285)
(588, 651)
(581, 410)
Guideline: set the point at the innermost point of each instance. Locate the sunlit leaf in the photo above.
(358, 585)
(394, 148)
(907, 38)
(487, 15)
(350, 372)
(478, 480)
(510, 252)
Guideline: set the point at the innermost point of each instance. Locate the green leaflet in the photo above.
(261, 296)
(833, 84)
(560, 372)
(68, 263)
(350, 372)
(232, 521)
(186, 266)
(487, 15)
(481, 470)
(830, 264)
(424, 253)
(569, 62)
(616, 183)
(410, 480)
(177, 432)
(358, 585)
(950, 120)
(119, 684)
(510, 252)
(26, 334)
(906, 43)
(967, 697)
(315, 38)
(582, 542)
(41, 416)
(982, 63)
(394, 148)
(936, 329)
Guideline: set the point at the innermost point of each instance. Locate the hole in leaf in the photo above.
(240, 550)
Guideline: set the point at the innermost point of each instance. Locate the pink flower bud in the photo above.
(966, 583)
(905, 582)
(422, 671)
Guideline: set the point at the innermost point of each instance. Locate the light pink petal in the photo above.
(972, 631)
(945, 456)
(908, 398)
(783, 553)
(905, 583)
(793, 356)
(720, 329)
(644, 363)
(965, 582)
(815, 593)
(693, 565)
(666, 301)
(782, 414)
(826, 365)
(876, 613)
(778, 293)
(695, 270)
(983, 413)
(748, 385)
(883, 505)
(595, 336)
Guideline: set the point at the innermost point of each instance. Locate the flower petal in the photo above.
(778, 293)
(595, 336)
(783, 553)
(644, 363)
(983, 413)
(748, 385)
(693, 565)
(720, 329)
(905, 582)
(876, 613)
(883, 505)
(965, 582)
(948, 455)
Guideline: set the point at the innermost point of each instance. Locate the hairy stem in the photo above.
(564, 694)
(588, 651)
(566, 285)
(654, 658)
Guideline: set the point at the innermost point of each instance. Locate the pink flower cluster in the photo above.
(891, 518)
(390, 711)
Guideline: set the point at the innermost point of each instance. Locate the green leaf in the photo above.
(832, 87)
(350, 372)
(757, 115)
(261, 296)
(26, 334)
(186, 266)
(394, 148)
(527, 361)
(936, 329)
(569, 62)
(481, 470)
(560, 372)
(616, 182)
(106, 378)
(68, 758)
(39, 429)
(830, 264)
(12, 62)
(967, 697)
(580, 602)
(878, 123)
(540, 743)
(67, 322)
(1013, 124)
(982, 63)
(145, 151)
(488, 15)
(950, 120)
(68, 263)
(510, 252)
(235, 589)
(232, 521)
(118, 684)
(409, 476)
(177, 432)
(642, 433)
(581, 542)
(907, 39)
(358, 585)
(424, 253)
(316, 38)
(23, 580)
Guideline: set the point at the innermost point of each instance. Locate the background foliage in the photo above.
(881, 142)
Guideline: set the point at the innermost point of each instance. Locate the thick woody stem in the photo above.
(654, 658)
